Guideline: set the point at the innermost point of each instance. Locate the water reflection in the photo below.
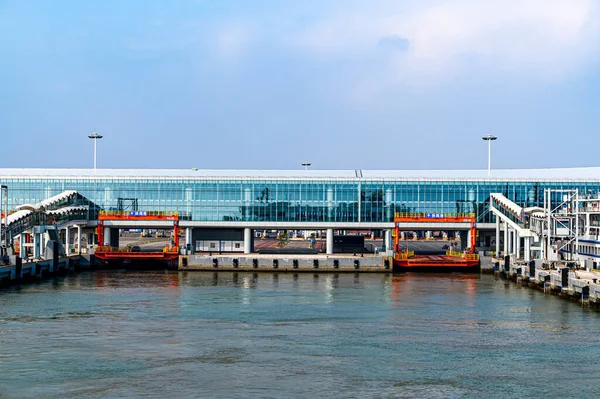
(244, 334)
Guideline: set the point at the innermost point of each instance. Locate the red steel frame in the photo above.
(106, 252)
(423, 219)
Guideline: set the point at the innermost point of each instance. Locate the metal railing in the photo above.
(511, 215)
(405, 254)
(440, 215)
(138, 213)
(462, 255)
(105, 248)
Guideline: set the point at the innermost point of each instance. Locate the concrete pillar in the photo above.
(511, 242)
(188, 239)
(468, 239)
(527, 249)
(67, 241)
(329, 241)
(43, 243)
(388, 240)
(106, 237)
(497, 236)
(36, 245)
(248, 241)
(22, 248)
(517, 245)
(505, 245)
(79, 239)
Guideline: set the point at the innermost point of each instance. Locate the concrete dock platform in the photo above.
(579, 285)
(367, 263)
(21, 272)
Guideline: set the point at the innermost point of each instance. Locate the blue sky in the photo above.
(348, 84)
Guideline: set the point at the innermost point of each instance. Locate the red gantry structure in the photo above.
(112, 254)
(467, 261)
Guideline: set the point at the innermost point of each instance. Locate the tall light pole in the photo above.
(95, 136)
(489, 138)
(4, 192)
(306, 165)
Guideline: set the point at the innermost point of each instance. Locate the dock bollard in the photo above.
(564, 275)
(316, 263)
(275, 263)
(236, 263)
(255, 263)
(532, 268)
(356, 264)
(215, 262)
(336, 264)
(386, 264)
(295, 263)
(585, 292)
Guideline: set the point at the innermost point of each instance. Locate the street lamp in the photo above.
(4, 191)
(95, 136)
(489, 138)
(306, 165)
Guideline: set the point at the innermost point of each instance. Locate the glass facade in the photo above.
(289, 199)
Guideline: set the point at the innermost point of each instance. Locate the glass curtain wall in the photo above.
(290, 200)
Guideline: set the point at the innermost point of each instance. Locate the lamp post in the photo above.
(489, 138)
(4, 193)
(306, 165)
(95, 136)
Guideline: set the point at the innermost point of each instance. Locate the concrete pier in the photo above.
(290, 263)
(578, 285)
(19, 272)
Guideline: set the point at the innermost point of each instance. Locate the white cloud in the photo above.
(532, 38)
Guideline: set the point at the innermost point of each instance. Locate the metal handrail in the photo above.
(462, 255)
(405, 254)
(145, 213)
(424, 214)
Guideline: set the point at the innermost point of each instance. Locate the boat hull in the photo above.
(436, 264)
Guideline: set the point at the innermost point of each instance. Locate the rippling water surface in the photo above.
(241, 335)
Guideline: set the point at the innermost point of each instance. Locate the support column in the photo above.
(517, 245)
(42, 244)
(497, 236)
(67, 241)
(106, 236)
(329, 241)
(469, 237)
(188, 239)
(248, 241)
(388, 240)
(505, 245)
(511, 242)
(527, 249)
(36, 245)
(22, 248)
(79, 239)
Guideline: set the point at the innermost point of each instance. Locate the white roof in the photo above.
(58, 197)
(47, 202)
(563, 174)
(67, 209)
(13, 217)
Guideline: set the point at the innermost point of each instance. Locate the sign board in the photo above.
(434, 215)
(138, 213)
